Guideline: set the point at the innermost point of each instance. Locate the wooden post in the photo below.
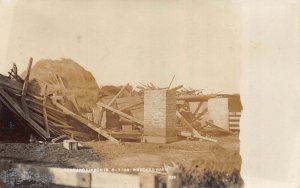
(25, 87)
(45, 111)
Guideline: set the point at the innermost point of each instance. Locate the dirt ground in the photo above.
(221, 156)
(199, 163)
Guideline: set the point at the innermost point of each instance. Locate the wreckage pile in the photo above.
(60, 99)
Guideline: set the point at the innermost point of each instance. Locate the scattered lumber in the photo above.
(120, 113)
(49, 117)
(14, 105)
(84, 121)
(195, 133)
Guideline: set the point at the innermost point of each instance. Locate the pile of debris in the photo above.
(59, 99)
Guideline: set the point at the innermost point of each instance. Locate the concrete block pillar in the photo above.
(159, 116)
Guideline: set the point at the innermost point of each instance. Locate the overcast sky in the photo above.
(129, 41)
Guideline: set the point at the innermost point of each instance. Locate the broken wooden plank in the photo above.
(218, 128)
(54, 140)
(73, 100)
(120, 113)
(84, 121)
(176, 88)
(140, 87)
(171, 82)
(45, 111)
(194, 131)
(150, 86)
(20, 112)
(117, 95)
(153, 86)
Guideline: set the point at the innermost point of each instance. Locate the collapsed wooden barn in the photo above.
(55, 108)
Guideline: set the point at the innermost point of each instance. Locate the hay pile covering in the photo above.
(78, 81)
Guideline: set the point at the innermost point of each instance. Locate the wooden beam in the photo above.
(140, 87)
(44, 110)
(117, 95)
(84, 121)
(198, 108)
(112, 101)
(26, 81)
(37, 105)
(130, 106)
(120, 113)
(198, 116)
(51, 117)
(196, 98)
(194, 131)
(20, 112)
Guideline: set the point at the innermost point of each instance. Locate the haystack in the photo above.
(65, 77)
